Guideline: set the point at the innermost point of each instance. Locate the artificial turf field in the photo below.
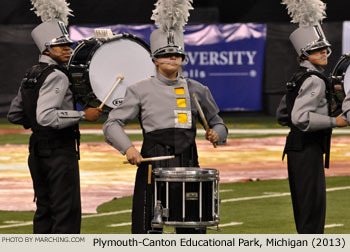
(255, 207)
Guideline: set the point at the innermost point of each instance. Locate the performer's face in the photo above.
(64, 53)
(319, 57)
(169, 65)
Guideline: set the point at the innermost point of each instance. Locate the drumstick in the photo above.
(149, 174)
(153, 159)
(201, 114)
(120, 77)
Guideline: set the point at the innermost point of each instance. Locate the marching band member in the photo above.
(166, 112)
(45, 105)
(306, 110)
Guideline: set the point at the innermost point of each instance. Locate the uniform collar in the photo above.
(312, 67)
(47, 59)
(167, 81)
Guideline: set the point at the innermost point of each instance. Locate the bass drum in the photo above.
(340, 80)
(96, 63)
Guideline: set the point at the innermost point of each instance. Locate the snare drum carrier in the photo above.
(297, 139)
(97, 62)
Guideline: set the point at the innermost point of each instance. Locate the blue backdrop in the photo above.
(228, 58)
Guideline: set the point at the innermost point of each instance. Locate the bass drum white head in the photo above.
(121, 55)
(346, 83)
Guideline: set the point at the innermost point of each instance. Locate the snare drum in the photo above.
(96, 63)
(186, 197)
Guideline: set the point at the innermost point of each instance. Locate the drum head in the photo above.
(346, 83)
(120, 55)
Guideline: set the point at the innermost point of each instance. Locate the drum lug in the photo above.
(157, 221)
(166, 212)
(82, 66)
(88, 64)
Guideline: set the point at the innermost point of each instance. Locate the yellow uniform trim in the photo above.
(182, 117)
(181, 102)
(179, 91)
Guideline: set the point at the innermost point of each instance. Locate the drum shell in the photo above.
(341, 76)
(191, 192)
(79, 70)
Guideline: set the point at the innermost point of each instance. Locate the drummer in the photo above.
(306, 109)
(168, 118)
(45, 105)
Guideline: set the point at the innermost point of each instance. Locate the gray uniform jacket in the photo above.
(55, 103)
(310, 111)
(161, 104)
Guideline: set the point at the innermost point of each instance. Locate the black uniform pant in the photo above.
(308, 188)
(55, 175)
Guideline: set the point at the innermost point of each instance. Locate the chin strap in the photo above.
(53, 52)
(56, 53)
(171, 62)
(329, 52)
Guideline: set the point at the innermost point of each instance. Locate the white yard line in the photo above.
(226, 190)
(120, 224)
(106, 214)
(230, 224)
(338, 188)
(278, 195)
(84, 217)
(255, 197)
(333, 225)
(27, 223)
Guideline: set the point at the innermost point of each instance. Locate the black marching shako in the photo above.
(186, 197)
(96, 63)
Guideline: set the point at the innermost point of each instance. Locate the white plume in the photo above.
(48, 10)
(103, 33)
(171, 14)
(306, 12)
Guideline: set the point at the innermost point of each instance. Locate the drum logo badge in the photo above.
(118, 102)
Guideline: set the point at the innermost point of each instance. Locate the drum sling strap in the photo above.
(76, 126)
(296, 138)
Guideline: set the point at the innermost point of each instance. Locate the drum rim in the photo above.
(100, 41)
(185, 172)
(344, 58)
(192, 223)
